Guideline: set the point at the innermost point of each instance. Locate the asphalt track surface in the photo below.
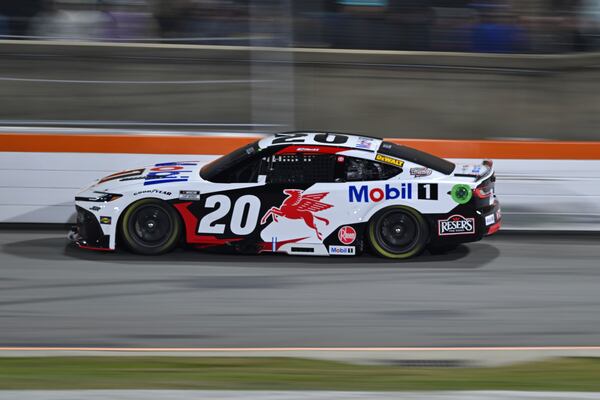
(510, 290)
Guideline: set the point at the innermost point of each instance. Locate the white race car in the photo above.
(298, 193)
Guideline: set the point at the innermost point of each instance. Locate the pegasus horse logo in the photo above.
(299, 206)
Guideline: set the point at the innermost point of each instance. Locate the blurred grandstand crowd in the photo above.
(496, 26)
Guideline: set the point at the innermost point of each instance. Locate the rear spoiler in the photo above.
(489, 164)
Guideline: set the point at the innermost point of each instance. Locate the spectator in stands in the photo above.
(359, 24)
(17, 15)
(410, 24)
(222, 22)
(171, 16)
(589, 23)
(496, 32)
(451, 30)
(129, 20)
(3, 26)
(68, 20)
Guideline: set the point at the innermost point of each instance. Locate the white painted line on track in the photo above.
(131, 123)
(126, 82)
(302, 349)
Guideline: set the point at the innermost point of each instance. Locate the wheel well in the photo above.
(409, 208)
(425, 220)
(119, 240)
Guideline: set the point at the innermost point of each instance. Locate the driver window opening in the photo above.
(358, 169)
(246, 172)
(299, 168)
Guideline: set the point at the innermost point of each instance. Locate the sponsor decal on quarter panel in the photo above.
(365, 194)
(347, 235)
(420, 171)
(168, 172)
(456, 225)
(389, 160)
(300, 206)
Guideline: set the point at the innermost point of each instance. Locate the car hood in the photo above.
(150, 176)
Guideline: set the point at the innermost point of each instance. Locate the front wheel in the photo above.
(150, 226)
(398, 232)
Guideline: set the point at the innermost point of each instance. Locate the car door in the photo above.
(225, 208)
(299, 185)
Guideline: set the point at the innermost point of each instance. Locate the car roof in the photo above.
(316, 138)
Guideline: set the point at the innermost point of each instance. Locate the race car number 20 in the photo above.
(242, 221)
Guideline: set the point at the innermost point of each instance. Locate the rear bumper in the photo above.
(472, 223)
(491, 218)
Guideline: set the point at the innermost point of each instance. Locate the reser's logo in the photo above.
(456, 225)
(364, 194)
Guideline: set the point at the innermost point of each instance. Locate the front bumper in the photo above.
(88, 233)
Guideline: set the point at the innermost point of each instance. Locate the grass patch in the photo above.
(572, 374)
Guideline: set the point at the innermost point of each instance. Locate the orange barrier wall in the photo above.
(148, 144)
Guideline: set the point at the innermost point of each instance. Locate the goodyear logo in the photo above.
(389, 160)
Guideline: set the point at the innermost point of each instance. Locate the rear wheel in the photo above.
(398, 232)
(150, 226)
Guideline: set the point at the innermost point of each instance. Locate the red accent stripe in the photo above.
(191, 224)
(494, 228)
(268, 246)
(312, 149)
(82, 246)
(479, 193)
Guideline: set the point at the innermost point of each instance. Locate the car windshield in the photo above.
(417, 157)
(211, 171)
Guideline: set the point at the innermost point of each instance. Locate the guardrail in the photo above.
(418, 94)
(301, 55)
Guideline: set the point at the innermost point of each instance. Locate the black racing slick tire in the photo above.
(398, 232)
(150, 227)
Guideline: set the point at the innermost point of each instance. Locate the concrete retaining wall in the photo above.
(535, 194)
(381, 93)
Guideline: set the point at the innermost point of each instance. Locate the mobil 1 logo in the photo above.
(427, 191)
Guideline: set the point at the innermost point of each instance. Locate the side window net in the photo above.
(365, 170)
(299, 168)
